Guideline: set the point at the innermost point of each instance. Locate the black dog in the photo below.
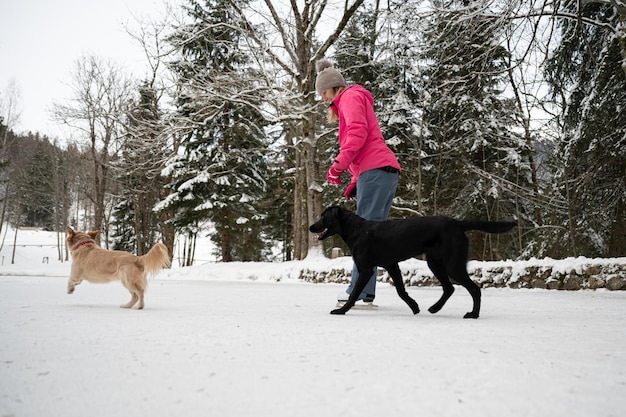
(386, 243)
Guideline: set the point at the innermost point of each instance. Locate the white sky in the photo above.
(40, 40)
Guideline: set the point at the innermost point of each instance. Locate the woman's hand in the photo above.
(333, 175)
(350, 193)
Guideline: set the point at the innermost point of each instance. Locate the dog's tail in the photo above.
(156, 259)
(488, 227)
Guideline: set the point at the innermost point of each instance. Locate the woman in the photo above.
(363, 153)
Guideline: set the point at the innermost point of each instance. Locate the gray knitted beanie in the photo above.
(327, 76)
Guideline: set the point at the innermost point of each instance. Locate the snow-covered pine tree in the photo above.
(138, 170)
(589, 82)
(219, 174)
(36, 184)
(476, 147)
(292, 36)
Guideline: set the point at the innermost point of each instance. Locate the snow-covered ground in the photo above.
(227, 340)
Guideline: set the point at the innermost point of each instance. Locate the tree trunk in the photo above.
(299, 206)
(17, 226)
(314, 191)
(617, 238)
(227, 246)
(168, 233)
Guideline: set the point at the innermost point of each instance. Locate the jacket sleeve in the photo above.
(353, 113)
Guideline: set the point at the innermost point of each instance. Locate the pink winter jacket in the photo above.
(362, 146)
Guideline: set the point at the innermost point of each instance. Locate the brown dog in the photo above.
(96, 265)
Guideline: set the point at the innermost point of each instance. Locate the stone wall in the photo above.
(563, 274)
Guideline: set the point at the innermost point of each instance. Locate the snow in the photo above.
(230, 340)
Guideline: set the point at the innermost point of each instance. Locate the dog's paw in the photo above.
(414, 307)
(435, 308)
(470, 315)
(70, 290)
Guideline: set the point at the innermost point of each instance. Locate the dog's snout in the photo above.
(315, 227)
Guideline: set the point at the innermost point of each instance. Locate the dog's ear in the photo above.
(94, 233)
(70, 231)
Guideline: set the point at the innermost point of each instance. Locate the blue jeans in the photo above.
(375, 190)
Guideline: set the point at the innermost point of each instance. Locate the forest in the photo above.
(496, 110)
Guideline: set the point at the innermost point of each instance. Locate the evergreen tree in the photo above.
(476, 150)
(586, 73)
(123, 234)
(282, 38)
(220, 173)
(36, 186)
(139, 173)
(277, 202)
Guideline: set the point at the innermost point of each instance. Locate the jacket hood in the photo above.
(355, 88)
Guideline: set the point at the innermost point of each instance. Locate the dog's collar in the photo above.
(83, 243)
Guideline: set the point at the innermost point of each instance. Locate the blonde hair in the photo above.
(332, 115)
